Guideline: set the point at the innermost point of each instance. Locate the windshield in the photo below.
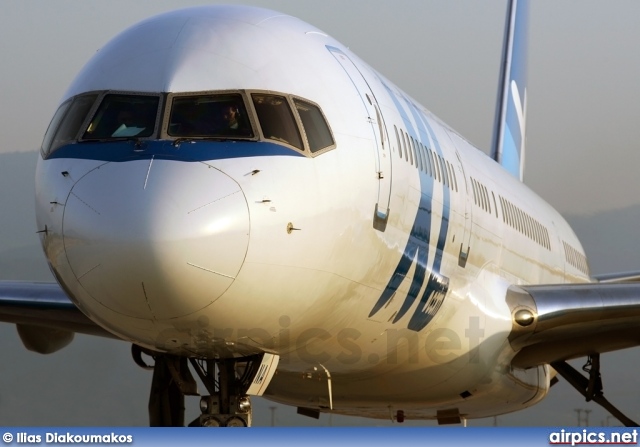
(213, 116)
(66, 123)
(123, 116)
(225, 115)
(276, 119)
(314, 124)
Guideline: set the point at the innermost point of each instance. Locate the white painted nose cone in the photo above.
(156, 239)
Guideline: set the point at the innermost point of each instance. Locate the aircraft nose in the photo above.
(156, 239)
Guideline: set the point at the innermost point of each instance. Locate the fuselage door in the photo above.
(374, 116)
(465, 245)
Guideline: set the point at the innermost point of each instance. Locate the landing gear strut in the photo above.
(591, 388)
(227, 404)
(171, 382)
(228, 382)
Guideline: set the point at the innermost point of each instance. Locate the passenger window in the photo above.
(67, 121)
(276, 119)
(445, 179)
(435, 163)
(427, 159)
(209, 116)
(495, 204)
(399, 144)
(380, 124)
(123, 116)
(315, 126)
(416, 153)
(410, 151)
(452, 177)
(486, 195)
(475, 194)
(404, 141)
(423, 163)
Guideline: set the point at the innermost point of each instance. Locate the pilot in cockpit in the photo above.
(232, 117)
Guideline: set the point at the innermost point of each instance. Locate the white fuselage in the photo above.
(382, 261)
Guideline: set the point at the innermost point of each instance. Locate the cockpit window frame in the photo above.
(163, 115)
(292, 106)
(252, 117)
(305, 147)
(303, 129)
(103, 93)
(169, 97)
(46, 152)
(56, 120)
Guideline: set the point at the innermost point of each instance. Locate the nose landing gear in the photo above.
(228, 382)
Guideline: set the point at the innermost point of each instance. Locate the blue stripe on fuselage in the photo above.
(191, 150)
(417, 248)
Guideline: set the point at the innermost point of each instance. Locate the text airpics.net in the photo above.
(584, 437)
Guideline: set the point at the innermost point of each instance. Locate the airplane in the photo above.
(300, 228)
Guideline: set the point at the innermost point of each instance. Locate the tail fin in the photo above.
(510, 122)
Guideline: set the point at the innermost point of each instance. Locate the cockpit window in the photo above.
(53, 126)
(123, 116)
(276, 119)
(315, 126)
(66, 123)
(106, 116)
(209, 116)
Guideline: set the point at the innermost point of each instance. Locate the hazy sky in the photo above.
(584, 101)
(584, 104)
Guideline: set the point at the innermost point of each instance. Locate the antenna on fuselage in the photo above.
(510, 122)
